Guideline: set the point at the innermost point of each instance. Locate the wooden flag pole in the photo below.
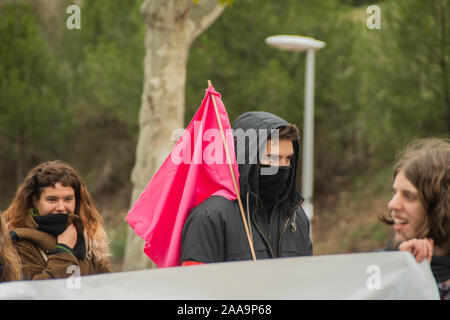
(230, 166)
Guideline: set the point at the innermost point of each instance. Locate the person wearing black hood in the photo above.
(278, 226)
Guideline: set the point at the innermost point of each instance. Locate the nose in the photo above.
(60, 207)
(395, 202)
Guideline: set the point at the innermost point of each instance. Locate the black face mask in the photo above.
(271, 187)
(53, 224)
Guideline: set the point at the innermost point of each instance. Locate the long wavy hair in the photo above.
(48, 174)
(12, 269)
(426, 164)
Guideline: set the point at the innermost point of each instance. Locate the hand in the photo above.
(69, 236)
(420, 248)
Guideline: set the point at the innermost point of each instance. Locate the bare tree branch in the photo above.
(203, 14)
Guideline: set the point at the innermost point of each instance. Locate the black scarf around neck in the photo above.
(55, 224)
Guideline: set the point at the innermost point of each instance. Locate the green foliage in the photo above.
(33, 119)
(253, 76)
(223, 2)
(77, 99)
(375, 234)
(118, 241)
(375, 90)
(406, 94)
(76, 94)
(106, 62)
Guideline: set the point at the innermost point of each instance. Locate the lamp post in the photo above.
(298, 43)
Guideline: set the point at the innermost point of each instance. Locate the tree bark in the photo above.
(171, 27)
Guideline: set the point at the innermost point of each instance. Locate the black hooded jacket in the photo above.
(214, 230)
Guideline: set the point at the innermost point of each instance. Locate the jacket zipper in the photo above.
(286, 223)
(264, 237)
(284, 229)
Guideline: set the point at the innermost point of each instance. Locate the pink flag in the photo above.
(195, 170)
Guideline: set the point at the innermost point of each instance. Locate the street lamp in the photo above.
(298, 43)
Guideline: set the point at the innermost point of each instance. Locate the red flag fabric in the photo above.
(195, 170)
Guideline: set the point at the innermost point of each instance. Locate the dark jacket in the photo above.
(214, 230)
(42, 259)
(440, 266)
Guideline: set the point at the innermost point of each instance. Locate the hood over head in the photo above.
(251, 131)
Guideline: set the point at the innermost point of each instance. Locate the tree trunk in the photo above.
(171, 25)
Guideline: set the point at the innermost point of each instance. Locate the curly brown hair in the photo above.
(47, 174)
(12, 268)
(426, 164)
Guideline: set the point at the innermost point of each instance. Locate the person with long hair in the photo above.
(420, 207)
(10, 266)
(55, 225)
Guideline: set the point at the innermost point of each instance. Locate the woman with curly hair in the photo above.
(10, 267)
(55, 225)
(420, 207)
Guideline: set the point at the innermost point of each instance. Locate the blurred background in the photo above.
(75, 95)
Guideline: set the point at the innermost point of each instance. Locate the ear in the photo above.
(35, 201)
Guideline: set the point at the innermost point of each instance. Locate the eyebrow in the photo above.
(270, 154)
(52, 196)
(411, 192)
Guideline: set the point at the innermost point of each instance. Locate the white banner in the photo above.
(379, 275)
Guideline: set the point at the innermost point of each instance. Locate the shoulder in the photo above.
(94, 265)
(29, 253)
(216, 202)
(213, 208)
(215, 213)
(22, 242)
(24, 245)
(301, 216)
(102, 265)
